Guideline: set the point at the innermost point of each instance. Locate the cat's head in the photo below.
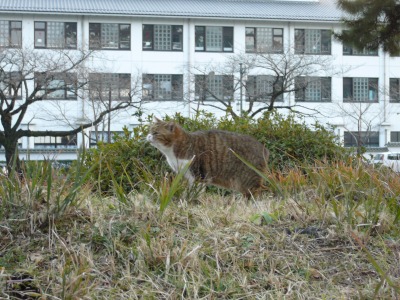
(163, 134)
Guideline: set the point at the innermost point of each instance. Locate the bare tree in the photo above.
(359, 110)
(31, 80)
(263, 78)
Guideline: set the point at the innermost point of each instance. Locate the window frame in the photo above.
(105, 84)
(252, 85)
(256, 47)
(97, 30)
(227, 39)
(149, 33)
(349, 138)
(300, 43)
(349, 51)
(65, 87)
(202, 93)
(60, 142)
(348, 83)
(394, 91)
(102, 137)
(395, 136)
(68, 42)
(7, 87)
(302, 83)
(152, 81)
(8, 41)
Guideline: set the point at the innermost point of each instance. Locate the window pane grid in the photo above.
(109, 36)
(214, 38)
(55, 34)
(313, 41)
(360, 89)
(264, 39)
(162, 37)
(4, 33)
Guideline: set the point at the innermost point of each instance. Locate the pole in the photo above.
(241, 89)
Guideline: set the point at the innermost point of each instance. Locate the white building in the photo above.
(158, 42)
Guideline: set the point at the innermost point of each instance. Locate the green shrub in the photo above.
(130, 161)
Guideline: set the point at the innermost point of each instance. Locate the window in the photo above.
(51, 142)
(10, 34)
(55, 35)
(107, 86)
(163, 37)
(360, 89)
(395, 136)
(348, 50)
(214, 39)
(361, 138)
(56, 86)
(312, 41)
(10, 84)
(162, 87)
(103, 136)
(264, 39)
(313, 89)
(394, 87)
(215, 87)
(261, 88)
(109, 36)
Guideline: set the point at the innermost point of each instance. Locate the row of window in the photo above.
(109, 86)
(351, 139)
(113, 36)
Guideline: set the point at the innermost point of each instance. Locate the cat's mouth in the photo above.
(150, 138)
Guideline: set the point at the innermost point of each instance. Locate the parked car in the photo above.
(388, 159)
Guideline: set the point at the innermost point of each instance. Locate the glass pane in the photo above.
(162, 37)
(4, 31)
(250, 39)
(40, 39)
(16, 38)
(214, 38)
(228, 38)
(163, 87)
(177, 37)
(147, 37)
(70, 35)
(199, 38)
(177, 87)
(125, 36)
(313, 90)
(312, 40)
(55, 35)
(94, 35)
(109, 36)
(360, 89)
(264, 39)
(59, 87)
(299, 41)
(147, 86)
(40, 25)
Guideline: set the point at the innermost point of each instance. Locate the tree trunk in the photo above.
(12, 157)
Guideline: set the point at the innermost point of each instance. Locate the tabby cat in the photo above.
(213, 161)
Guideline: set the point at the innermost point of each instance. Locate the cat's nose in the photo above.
(149, 137)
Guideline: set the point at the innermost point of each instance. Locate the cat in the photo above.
(211, 153)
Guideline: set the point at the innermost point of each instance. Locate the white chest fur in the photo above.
(175, 163)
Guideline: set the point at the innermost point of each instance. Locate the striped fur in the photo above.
(213, 163)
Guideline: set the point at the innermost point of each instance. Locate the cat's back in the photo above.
(226, 140)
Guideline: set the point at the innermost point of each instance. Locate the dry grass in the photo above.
(296, 246)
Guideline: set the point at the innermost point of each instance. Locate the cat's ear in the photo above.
(156, 120)
(171, 126)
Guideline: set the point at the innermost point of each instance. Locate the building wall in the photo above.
(383, 116)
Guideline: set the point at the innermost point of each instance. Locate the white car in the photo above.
(388, 159)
